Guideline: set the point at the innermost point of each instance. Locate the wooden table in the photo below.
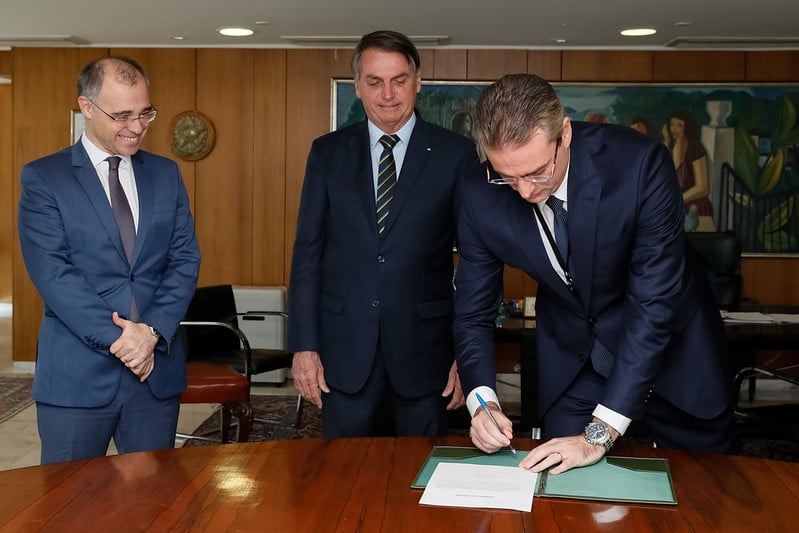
(344, 485)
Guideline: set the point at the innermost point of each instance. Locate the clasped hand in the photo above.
(565, 452)
(135, 347)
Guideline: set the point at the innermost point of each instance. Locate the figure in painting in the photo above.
(690, 160)
(462, 123)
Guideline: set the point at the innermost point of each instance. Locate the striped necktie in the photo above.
(386, 180)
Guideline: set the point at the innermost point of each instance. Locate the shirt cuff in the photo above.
(617, 421)
(487, 393)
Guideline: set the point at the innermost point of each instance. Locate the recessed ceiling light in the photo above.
(558, 40)
(638, 32)
(177, 37)
(235, 32)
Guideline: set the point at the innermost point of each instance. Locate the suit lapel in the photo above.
(584, 194)
(362, 179)
(145, 186)
(419, 149)
(86, 176)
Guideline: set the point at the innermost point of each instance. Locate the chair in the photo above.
(720, 254)
(220, 383)
(212, 335)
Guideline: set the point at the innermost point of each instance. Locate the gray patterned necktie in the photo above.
(561, 227)
(386, 180)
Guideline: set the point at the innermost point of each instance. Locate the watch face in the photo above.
(596, 432)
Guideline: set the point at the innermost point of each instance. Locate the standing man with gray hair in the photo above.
(108, 241)
(370, 296)
(627, 326)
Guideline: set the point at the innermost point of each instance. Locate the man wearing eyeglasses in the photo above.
(109, 243)
(627, 325)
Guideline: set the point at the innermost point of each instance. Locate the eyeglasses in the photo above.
(144, 118)
(496, 179)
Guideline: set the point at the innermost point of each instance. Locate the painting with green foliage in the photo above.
(735, 147)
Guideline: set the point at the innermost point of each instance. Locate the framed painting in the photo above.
(735, 147)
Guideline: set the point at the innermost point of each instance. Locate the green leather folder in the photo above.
(618, 479)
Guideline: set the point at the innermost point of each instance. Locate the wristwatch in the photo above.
(154, 332)
(598, 434)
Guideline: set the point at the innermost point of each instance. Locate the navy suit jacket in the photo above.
(74, 255)
(350, 286)
(638, 290)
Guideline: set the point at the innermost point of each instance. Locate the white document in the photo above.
(783, 318)
(746, 318)
(494, 487)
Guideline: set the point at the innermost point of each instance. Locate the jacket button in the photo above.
(591, 322)
(580, 357)
(132, 277)
(376, 303)
(381, 259)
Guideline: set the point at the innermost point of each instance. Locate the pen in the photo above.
(484, 405)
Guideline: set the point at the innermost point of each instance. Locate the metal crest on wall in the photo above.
(735, 147)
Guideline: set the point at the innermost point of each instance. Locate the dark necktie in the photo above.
(561, 227)
(386, 180)
(123, 216)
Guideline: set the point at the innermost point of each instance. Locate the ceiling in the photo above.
(559, 24)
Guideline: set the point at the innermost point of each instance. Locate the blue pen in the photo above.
(484, 405)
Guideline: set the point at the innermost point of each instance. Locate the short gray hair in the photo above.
(510, 110)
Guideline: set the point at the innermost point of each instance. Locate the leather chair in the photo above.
(720, 254)
(220, 383)
(212, 335)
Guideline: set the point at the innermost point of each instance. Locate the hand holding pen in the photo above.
(484, 405)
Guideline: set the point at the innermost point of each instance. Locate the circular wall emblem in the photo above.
(193, 135)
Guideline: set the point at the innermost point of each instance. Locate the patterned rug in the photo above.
(281, 409)
(15, 395)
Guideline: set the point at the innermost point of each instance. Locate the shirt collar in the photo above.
(97, 156)
(404, 132)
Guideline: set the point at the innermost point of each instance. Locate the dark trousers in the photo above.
(668, 426)
(377, 410)
(135, 419)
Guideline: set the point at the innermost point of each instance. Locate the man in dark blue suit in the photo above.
(627, 326)
(370, 296)
(109, 244)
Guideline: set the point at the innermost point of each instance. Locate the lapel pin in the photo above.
(429, 149)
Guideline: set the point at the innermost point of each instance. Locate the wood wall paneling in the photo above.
(772, 66)
(269, 169)
(449, 65)
(490, 65)
(607, 66)
(545, 63)
(771, 280)
(309, 75)
(699, 66)
(7, 234)
(223, 199)
(44, 94)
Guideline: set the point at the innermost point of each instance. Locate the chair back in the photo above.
(720, 254)
(214, 303)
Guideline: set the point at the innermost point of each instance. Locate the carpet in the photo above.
(281, 408)
(15, 395)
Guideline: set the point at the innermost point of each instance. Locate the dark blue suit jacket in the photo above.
(348, 285)
(74, 255)
(636, 288)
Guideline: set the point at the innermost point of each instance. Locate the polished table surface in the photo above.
(343, 485)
